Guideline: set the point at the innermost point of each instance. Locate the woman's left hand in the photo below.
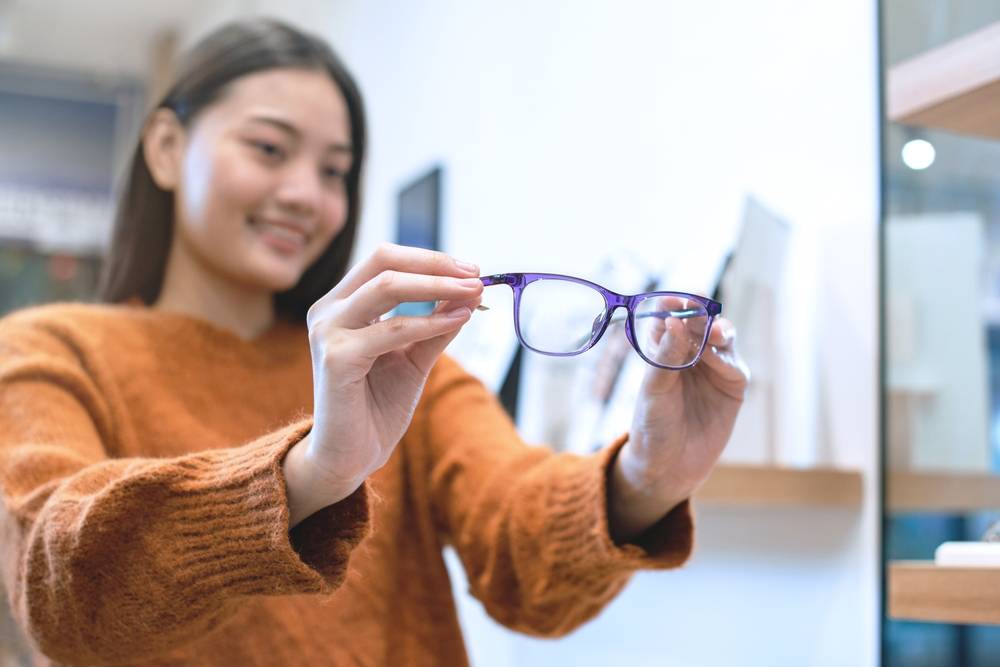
(682, 422)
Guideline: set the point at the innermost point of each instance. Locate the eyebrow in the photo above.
(288, 128)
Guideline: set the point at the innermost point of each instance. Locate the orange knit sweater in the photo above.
(144, 516)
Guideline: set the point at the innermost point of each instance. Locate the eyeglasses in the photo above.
(562, 316)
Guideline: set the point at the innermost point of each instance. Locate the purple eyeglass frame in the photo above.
(613, 301)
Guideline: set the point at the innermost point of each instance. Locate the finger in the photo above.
(728, 365)
(425, 353)
(723, 333)
(674, 342)
(654, 315)
(721, 366)
(391, 288)
(656, 331)
(400, 331)
(472, 304)
(392, 257)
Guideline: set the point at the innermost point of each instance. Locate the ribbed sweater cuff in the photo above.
(583, 492)
(231, 525)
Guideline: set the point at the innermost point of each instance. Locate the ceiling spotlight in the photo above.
(918, 154)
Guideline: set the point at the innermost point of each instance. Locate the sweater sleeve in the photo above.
(531, 526)
(105, 558)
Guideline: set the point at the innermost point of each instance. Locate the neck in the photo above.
(192, 288)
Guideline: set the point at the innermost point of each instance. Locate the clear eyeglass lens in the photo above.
(670, 330)
(559, 316)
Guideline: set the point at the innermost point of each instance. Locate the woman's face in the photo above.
(261, 185)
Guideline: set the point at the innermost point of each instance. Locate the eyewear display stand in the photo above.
(752, 281)
(753, 475)
(755, 470)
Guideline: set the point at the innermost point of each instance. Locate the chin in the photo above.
(274, 280)
(275, 274)
(277, 283)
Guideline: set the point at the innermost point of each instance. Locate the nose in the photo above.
(300, 190)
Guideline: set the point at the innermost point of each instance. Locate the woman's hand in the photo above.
(368, 372)
(681, 424)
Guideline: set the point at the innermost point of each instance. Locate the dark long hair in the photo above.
(144, 222)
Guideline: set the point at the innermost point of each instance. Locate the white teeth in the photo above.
(282, 232)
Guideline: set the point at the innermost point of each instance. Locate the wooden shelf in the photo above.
(923, 591)
(954, 87)
(942, 491)
(781, 486)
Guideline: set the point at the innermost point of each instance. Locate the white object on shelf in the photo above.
(968, 554)
(755, 296)
(940, 385)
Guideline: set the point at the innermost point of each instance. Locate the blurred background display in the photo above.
(62, 137)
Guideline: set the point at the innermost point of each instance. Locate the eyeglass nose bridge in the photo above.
(613, 301)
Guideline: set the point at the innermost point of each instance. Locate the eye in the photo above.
(267, 149)
(334, 173)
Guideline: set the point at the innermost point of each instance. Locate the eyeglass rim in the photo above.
(614, 300)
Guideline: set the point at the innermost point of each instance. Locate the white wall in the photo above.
(569, 129)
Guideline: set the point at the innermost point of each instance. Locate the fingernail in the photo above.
(466, 266)
(728, 334)
(470, 282)
(457, 313)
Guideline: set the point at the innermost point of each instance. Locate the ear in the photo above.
(163, 147)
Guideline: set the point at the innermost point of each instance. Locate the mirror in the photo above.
(941, 327)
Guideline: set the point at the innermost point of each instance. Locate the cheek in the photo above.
(334, 216)
(218, 190)
(195, 185)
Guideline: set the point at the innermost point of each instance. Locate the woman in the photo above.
(232, 463)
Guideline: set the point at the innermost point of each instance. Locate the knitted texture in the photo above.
(144, 515)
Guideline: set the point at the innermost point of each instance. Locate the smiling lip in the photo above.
(283, 236)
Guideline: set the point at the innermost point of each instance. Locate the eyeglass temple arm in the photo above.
(663, 314)
(498, 279)
(680, 314)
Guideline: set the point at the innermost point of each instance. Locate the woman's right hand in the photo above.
(368, 372)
